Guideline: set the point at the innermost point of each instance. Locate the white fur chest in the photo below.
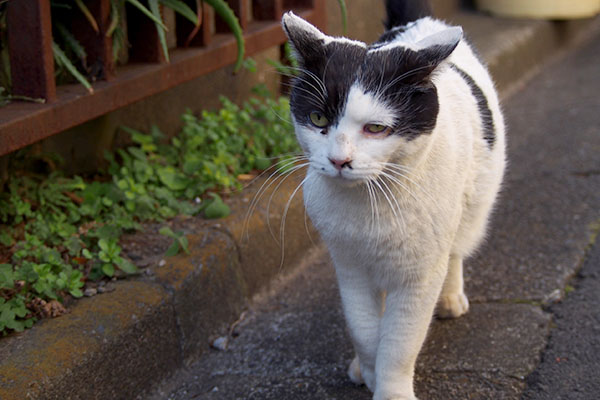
(385, 235)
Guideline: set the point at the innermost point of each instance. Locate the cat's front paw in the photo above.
(360, 374)
(408, 396)
(354, 372)
(452, 305)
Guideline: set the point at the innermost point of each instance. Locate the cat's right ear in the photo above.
(306, 40)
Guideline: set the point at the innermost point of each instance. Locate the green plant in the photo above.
(344, 11)
(216, 208)
(179, 241)
(58, 232)
(13, 315)
(110, 255)
(70, 56)
(223, 10)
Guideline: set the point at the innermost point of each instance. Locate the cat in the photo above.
(404, 141)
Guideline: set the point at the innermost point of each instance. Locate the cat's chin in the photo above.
(345, 181)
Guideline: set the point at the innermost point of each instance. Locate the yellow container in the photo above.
(541, 9)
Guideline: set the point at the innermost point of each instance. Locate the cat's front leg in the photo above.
(408, 312)
(362, 307)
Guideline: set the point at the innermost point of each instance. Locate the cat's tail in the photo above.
(402, 12)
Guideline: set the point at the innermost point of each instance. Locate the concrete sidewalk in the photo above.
(293, 343)
(119, 345)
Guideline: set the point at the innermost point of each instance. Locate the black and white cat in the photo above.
(406, 152)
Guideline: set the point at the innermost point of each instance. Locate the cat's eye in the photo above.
(376, 129)
(318, 119)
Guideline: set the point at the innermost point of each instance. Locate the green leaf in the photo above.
(6, 276)
(103, 244)
(224, 11)
(192, 163)
(344, 11)
(62, 59)
(159, 28)
(249, 64)
(5, 238)
(183, 9)
(108, 269)
(147, 12)
(71, 42)
(114, 18)
(16, 325)
(183, 241)
(173, 249)
(172, 178)
(88, 15)
(137, 153)
(127, 266)
(217, 208)
(167, 231)
(262, 163)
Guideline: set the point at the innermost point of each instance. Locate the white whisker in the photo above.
(389, 190)
(320, 99)
(314, 76)
(399, 171)
(395, 180)
(285, 177)
(283, 218)
(370, 193)
(377, 215)
(262, 190)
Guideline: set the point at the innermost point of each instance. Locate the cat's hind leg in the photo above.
(453, 302)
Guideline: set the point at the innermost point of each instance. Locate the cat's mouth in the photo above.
(346, 176)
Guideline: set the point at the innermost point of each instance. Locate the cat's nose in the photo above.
(339, 164)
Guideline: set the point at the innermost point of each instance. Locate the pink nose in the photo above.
(339, 164)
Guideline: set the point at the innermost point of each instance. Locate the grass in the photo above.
(58, 231)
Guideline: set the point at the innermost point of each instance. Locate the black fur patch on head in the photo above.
(487, 120)
(399, 78)
(396, 75)
(324, 83)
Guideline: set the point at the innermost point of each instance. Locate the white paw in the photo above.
(452, 305)
(354, 372)
(409, 396)
(361, 375)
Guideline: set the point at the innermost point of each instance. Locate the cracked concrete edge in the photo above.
(117, 345)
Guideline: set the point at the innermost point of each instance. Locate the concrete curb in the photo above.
(118, 345)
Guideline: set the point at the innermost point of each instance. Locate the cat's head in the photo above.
(356, 107)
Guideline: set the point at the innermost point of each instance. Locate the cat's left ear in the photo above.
(307, 41)
(443, 42)
(430, 52)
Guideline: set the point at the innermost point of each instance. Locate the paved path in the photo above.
(293, 343)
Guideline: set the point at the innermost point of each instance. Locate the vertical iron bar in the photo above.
(267, 10)
(143, 37)
(30, 49)
(97, 46)
(184, 27)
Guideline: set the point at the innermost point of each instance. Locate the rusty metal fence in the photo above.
(29, 28)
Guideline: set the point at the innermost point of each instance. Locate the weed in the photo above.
(57, 232)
